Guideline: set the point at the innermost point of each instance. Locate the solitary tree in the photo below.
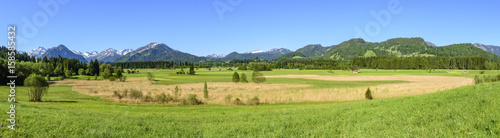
(37, 87)
(205, 91)
(243, 78)
(151, 77)
(368, 94)
(258, 77)
(236, 77)
(191, 69)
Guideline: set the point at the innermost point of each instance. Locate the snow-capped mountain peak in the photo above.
(271, 50)
(255, 51)
(77, 52)
(105, 55)
(124, 51)
(216, 56)
(37, 52)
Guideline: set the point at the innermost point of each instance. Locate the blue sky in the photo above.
(194, 26)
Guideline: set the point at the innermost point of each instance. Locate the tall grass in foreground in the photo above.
(470, 111)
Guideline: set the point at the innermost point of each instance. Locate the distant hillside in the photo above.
(292, 55)
(313, 50)
(267, 55)
(62, 51)
(490, 48)
(402, 47)
(158, 52)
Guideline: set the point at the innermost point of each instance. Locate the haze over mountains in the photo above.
(347, 50)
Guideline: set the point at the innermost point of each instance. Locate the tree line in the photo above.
(470, 63)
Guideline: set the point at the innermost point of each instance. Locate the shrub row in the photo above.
(486, 78)
(191, 99)
(253, 101)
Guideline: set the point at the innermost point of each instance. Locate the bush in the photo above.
(486, 78)
(61, 78)
(148, 98)
(134, 93)
(368, 94)
(56, 79)
(477, 79)
(243, 78)
(37, 87)
(254, 101)
(111, 78)
(192, 99)
(482, 72)
(151, 77)
(489, 78)
(119, 74)
(161, 98)
(81, 71)
(236, 77)
(68, 73)
(117, 94)
(125, 93)
(88, 78)
(258, 77)
(237, 101)
(123, 79)
(228, 99)
(48, 77)
(95, 77)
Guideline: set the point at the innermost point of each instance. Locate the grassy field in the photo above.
(305, 86)
(469, 111)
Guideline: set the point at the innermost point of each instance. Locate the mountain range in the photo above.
(490, 48)
(347, 50)
(104, 56)
(62, 51)
(158, 52)
(397, 47)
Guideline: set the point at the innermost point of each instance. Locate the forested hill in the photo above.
(398, 47)
(267, 55)
(315, 50)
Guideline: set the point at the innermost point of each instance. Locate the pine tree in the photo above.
(96, 67)
(191, 69)
(205, 91)
(91, 68)
(368, 94)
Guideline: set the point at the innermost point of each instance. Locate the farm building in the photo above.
(356, 71)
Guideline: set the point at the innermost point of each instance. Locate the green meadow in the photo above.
(469, 111)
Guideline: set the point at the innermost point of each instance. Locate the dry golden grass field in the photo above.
(278, 93)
